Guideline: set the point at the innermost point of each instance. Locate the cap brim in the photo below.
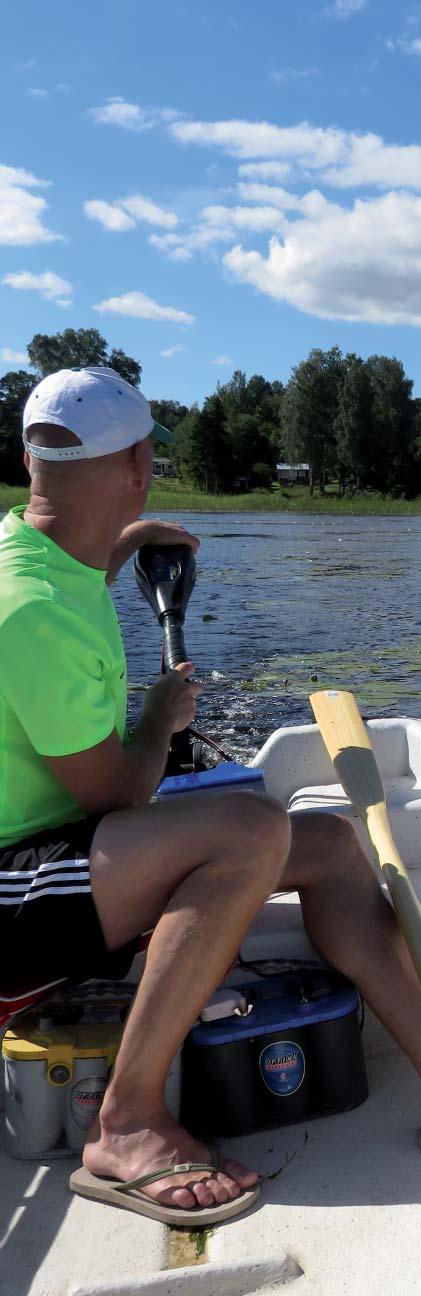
(160, 433)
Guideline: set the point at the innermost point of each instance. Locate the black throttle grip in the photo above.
(174, 646)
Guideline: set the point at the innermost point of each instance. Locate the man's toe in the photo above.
(218, 1191)
(230, 1186)
(181, 1197)
(204, 1193)
(236, 1170)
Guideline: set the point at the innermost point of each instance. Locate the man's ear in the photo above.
(27, 461)
(141, 464)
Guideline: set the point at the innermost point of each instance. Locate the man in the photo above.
(86, 863)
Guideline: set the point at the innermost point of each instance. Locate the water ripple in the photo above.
(296, 603)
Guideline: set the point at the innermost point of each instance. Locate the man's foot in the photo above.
(162, 1142)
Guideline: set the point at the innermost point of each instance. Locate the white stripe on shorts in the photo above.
(19, 888)
(23, 897)
(47, 867)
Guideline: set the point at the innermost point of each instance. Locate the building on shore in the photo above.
(164, 468)
(291, 474)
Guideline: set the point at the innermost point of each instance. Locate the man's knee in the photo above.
(338, 834)
(263, 833)
(336, 847)
(323, 847)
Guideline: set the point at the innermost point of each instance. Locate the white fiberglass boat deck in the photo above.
(340, 1209)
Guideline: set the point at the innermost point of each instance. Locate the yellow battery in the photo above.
(55, 1080)
(59, 1046)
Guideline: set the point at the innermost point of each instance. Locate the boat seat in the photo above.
(20, 1000)
(17, 1001)
(403, 799)
(278, 931)
(290, 758)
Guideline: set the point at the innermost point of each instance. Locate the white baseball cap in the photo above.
(99, 407)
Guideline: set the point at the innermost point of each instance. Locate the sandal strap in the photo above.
(188, 1167)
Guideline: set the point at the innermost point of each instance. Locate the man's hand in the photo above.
(142, 533)
(111, 776)
(169, 533)
(171, 703)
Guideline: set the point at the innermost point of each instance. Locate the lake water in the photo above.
(299, 602)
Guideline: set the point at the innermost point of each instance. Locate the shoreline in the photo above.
(172, 497)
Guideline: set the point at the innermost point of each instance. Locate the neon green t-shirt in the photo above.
(62, 673)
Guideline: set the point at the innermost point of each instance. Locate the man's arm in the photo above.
(111, 776)
(142, 533)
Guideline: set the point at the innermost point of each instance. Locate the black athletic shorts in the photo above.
(49, 927)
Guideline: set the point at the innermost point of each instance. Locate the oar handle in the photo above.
(407, 910)
(380, 833)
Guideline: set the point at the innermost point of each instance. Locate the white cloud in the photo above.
(218, 223)
(246, 139)
(169, 352)
(411, 46)
(264, 170)
(141, 307)
(343, 159)
(117, 112)
(409, 40)
(145, 210)
(49, 285)
(18, 176)
(221, 361)
(345, 8)
(251, 218)
(38, 93)
(174, 245)
(359, 262)
(125, 212)
(201, 238)
(371, 162)
(362, 264)
(278, 197)
(13, 357)
(21, 212)
(110, 215)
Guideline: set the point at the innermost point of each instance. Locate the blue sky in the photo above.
(214, 184)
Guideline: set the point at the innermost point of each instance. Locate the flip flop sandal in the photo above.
(127, 1195)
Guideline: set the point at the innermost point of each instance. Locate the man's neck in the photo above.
(86, 533)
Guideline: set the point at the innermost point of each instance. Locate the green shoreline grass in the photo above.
(173, 497)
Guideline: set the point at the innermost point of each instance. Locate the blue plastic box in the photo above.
(226, 777)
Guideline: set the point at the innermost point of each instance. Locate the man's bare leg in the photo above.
(199, 870)
(351, 924)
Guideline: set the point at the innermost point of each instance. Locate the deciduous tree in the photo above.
(77, 348)
(15, 387)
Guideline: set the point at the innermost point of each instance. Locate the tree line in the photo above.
(354, 421)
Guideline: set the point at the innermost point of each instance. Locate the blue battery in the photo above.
(296, 1053)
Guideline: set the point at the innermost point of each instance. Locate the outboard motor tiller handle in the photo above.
(166, 577)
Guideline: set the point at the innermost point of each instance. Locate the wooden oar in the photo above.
(347, 741)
